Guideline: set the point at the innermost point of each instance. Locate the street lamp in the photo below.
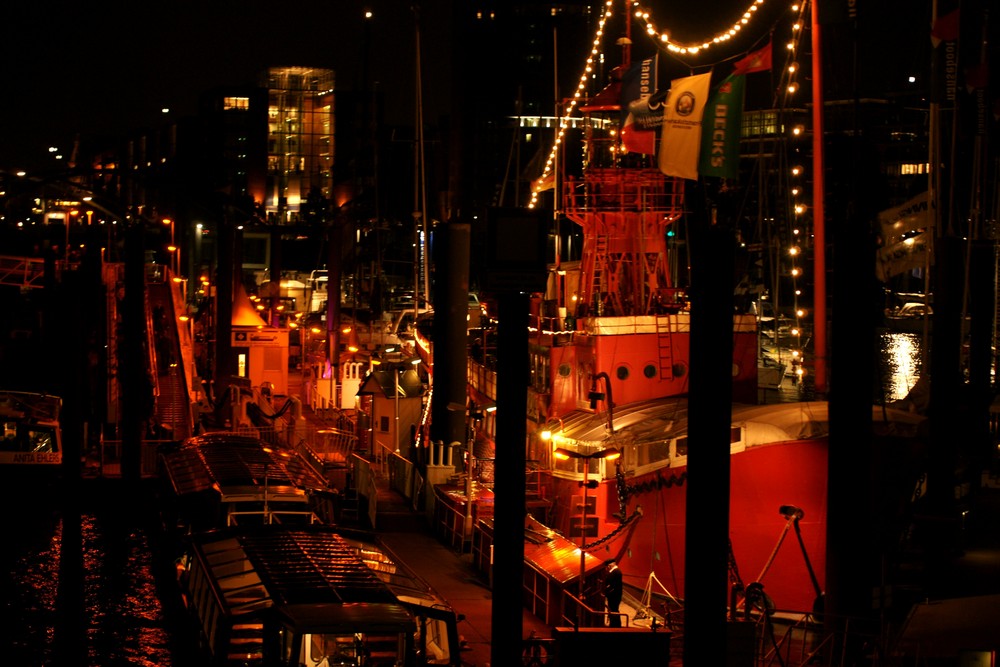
(607, 454)
(175, 251)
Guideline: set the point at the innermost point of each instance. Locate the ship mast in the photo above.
(819, 226)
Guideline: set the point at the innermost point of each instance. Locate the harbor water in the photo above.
(84, 580)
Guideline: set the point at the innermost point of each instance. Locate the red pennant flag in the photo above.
(945, 28)
(758, 61)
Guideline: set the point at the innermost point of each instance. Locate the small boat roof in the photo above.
(30, 406)
(236, 465)
(298, 569)
(550, 552)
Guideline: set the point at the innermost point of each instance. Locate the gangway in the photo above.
(24, 272)
(174, 373)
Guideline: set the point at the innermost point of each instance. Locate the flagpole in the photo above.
(819, 222)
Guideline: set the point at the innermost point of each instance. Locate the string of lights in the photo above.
(788, 88)
(549, 170)
(719, 38)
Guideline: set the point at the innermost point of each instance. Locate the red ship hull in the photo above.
(778, 482)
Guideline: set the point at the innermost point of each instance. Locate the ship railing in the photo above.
(22, 271)
(482, 378)
(268, 517)
(451, 527)
(614, 189)
(327, 443)
(797, 643)
(577, 613)
(105, 458)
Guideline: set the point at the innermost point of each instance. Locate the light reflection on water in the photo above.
(103, 567)
(900, 363)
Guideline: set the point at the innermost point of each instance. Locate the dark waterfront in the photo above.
(89, 580)
(86, 579)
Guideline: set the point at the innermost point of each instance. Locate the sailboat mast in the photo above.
(819, 222)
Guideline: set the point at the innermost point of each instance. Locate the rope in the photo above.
(656, 484)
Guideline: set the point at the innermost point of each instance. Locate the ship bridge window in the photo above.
(652, 453)
(735, 436)
(323, 650)
(27, 439)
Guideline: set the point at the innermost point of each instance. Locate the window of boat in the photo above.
(735, 437)
(436, 641)
(333, 650)
(682, 446)
(21, 438)
(652, 453)
(540, 368)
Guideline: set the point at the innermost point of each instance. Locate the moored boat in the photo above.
(220, 479)
(32, 435)
(271, 595)
(269, 578)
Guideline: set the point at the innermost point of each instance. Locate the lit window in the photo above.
(229, 103)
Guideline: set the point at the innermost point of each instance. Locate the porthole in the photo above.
(649, 371)
(622, 372)
(564, 370)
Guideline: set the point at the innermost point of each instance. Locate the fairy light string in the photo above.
(788, 89)
(720, 37)
(663, 37)
(549, 169)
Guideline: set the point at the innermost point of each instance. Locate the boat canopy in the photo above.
(237, 465)
(658, 420)
(264, 566)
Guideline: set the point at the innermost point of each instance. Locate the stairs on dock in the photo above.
(246, 644)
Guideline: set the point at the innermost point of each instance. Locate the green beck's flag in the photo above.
(720, 135)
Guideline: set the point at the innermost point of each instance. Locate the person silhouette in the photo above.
(613, 592)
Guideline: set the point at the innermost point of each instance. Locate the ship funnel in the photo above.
(791, 512)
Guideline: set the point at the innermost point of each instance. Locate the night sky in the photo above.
(102, 67)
